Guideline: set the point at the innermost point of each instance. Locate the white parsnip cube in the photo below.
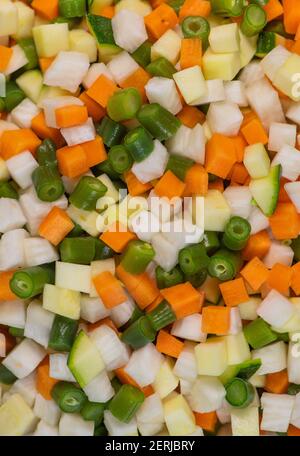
(281, 134)
(96, 70)
(67, 71)
(21, 167)
(189, 143)
(11, 215)
(163, 91)
(129, 37)
(153, 166)
(224, 117)
(24, 112)
(39, 251)
(122, 66)
(12, 249)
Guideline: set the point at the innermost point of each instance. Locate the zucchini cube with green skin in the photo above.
(16, 417)
(287, 77)
(8, 18)
(224, 38)
(31, 82)
(84, 360)
(221, 66)
(257, 161)
(50, 39)
(265, 190)
(101, 28)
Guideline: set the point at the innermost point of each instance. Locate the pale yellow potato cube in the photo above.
(179, 417)
(191, 83)
(168, 46)
(211, 357)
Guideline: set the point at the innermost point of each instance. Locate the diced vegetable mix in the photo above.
(149, 217)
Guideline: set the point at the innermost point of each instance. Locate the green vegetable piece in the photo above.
(161, 316)
(192, 259)
(239, 393)
(166, 279)
(126, 403)
(254, 20)
(137, 256)
(6, 377)
(158, 121)
(87, 192)
(111, 132)
(139, 333)
(259, 334)
(124, 104)
(236, 234)
(62, 333)
(120, 159)
(179, 165)
(224, 265)
(161, 67)
(68, 397)
(79, 250)
(29, 282)
(139, 143)
(47, 182)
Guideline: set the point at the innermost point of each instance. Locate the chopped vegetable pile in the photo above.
(149, 217)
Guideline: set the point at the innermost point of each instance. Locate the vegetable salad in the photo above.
(149, 217)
